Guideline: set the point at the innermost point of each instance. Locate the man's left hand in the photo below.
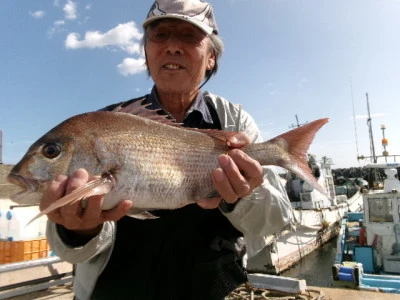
(237, 176)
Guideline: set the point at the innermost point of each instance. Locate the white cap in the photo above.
(196, 12)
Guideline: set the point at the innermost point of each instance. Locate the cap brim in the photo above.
(207, 29)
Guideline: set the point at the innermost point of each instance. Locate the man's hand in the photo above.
(237, 176)
(88, 220)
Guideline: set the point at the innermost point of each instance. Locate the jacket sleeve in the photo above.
(100, 245)
(267, 211)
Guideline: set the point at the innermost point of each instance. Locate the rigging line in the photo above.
(354, 116)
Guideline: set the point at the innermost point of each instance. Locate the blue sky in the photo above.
(310, 58)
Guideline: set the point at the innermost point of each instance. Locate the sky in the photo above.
(283, 59)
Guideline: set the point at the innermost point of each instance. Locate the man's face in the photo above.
(178, 55)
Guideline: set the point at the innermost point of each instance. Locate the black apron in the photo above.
(187, 253)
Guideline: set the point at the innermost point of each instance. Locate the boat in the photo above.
(368, 250)
(317, 218)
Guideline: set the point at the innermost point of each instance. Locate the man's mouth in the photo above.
(172, 67)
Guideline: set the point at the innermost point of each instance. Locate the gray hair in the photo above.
(216, 47)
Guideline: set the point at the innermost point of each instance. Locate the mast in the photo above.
(384, 143)
(371, 136)
(1, 146)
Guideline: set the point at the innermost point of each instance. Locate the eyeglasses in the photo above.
(161, 35)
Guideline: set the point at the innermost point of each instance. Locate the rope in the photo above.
(249, 293)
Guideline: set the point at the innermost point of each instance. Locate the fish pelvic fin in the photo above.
(98, 186)
(297, 142)
(141, 214)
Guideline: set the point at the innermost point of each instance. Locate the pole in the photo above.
(1, 146)
(371, 136)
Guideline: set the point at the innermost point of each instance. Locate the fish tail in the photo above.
(297, 142)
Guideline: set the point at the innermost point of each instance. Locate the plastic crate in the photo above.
(23, 250)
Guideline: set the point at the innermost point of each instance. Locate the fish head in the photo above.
(59, 152)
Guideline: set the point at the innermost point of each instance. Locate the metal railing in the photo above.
(20, 282)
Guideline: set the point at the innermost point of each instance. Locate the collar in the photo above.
(199, 105)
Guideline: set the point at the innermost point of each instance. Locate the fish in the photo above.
(137, 154)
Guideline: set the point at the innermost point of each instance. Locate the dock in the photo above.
(52, 279)
(65, 293)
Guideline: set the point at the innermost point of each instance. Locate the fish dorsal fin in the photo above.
(139, 109)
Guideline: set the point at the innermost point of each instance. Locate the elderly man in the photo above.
(195, 252)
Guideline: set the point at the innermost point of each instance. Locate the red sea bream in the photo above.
(145, 158)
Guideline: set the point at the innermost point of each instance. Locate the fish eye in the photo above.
(51, 150)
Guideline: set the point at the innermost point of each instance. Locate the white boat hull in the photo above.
(313, 229)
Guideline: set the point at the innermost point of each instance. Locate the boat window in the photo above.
(380, 209)
(316, 172)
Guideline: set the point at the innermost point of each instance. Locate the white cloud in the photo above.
(59, 22)
(130, 66)
(377, 115)
(56, 28)
(302, 82)
(37, 14)
(124, 36)
(70, 10)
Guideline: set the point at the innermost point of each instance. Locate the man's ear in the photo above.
(211, 62)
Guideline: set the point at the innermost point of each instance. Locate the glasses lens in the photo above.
(159, 35)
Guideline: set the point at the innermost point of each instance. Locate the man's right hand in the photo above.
(85, 221)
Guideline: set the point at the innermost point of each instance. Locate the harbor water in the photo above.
(316, 268)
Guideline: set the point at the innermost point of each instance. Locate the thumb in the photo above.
(239, 140)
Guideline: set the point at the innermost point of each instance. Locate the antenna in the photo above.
(297, 123)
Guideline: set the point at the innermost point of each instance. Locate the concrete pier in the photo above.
(65, 293)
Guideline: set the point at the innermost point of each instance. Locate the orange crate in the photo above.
(23, 250)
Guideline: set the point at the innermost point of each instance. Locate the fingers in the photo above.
(55, 190)
(239, 140)
(249, 167)
(73, 212)
(209, 203)
(117, 212)
(75, 216)
(229, 181)
(93, 208)
(237, 176)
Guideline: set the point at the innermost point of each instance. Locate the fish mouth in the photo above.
(28, 185)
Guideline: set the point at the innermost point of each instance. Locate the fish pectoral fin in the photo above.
(98, 186)
(141, 214)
